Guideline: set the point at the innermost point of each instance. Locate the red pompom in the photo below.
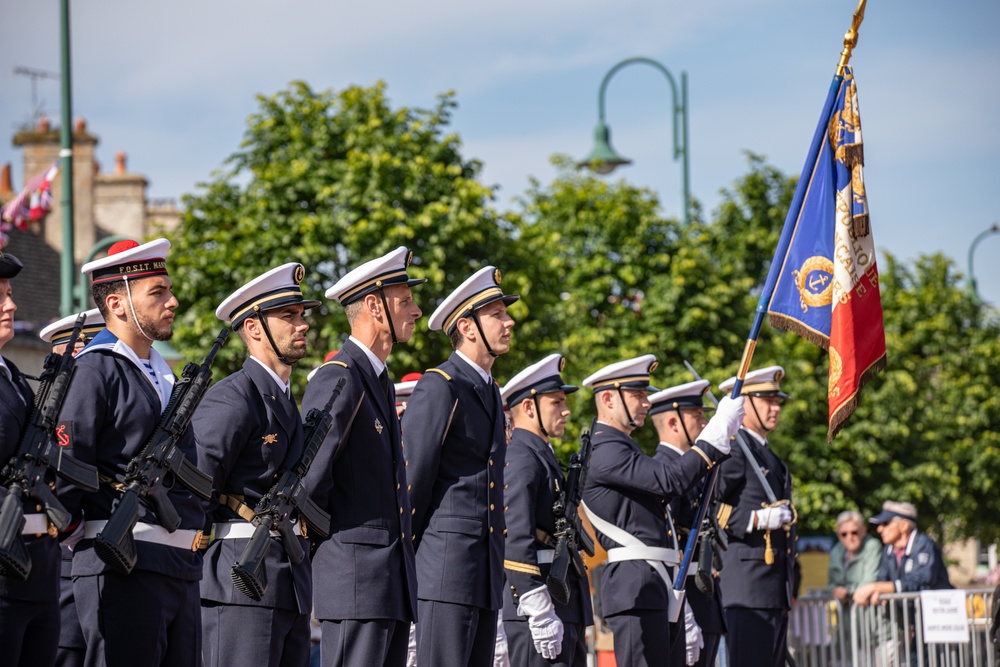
(122, 246)
(330, 355)
(411, 377)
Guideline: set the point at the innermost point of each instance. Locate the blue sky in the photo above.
(172, 84)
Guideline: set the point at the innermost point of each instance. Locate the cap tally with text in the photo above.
(384, 271)
(686, 396)
(10, 266)
(405, 385)
(761, 382)
(129, 260)
(480, 289)
(277, 288)
(628, 374)
(891, 510)
(543, 377)
(59, 332)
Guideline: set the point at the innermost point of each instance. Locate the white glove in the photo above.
(771, 518)
(693, 639)
(411, 647)
(546, 628)
(724, 424)
(501, 656)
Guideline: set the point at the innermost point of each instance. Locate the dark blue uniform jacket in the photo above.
(111, 410)
(365, 570)
(248, 432)
(534, 479)
(627, 488)
(922, 568)
(43, 581)
(455, 446)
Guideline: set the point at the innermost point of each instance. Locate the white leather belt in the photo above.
(545, 555)
(243, 530)
(642, 552)
(35, 524)
(188, 540)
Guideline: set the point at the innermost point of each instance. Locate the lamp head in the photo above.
(602, 159)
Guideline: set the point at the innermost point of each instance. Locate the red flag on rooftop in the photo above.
(33, 203)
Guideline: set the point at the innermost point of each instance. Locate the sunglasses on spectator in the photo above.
(845, 533)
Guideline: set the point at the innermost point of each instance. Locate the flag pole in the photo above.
(850, 41)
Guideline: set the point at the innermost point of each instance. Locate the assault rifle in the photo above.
(151, 474)
(712, 536)
(274, 511)
(42, 449)
(570, 535)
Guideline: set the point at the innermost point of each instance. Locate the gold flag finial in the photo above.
(851, 37)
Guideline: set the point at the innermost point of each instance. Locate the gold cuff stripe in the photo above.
(440, 372)
(725, 511)
(368, 283)
(522, 567)
(703, 455)
(467, 304)
(269, 297)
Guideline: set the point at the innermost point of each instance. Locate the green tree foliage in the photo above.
(332, 180)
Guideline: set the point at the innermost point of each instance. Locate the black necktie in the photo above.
(383, 378)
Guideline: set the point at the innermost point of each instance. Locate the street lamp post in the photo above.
(66, 161)
(603, 159)
(992, 229)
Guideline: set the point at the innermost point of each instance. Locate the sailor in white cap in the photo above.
(248, 431)
(758, 567)
(72, 647)
(540, 631)
(120, 388)
(624, 498)
(29, 609)
(455, 444)
(58, 333)
(679, 416)
(365, 592)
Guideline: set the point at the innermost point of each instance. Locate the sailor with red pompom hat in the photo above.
(120, 388)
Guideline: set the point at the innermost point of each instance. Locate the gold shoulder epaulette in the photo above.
(725, 511)
(440, 372)
(335, 361)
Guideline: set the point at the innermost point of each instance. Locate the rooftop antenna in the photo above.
(35, 75)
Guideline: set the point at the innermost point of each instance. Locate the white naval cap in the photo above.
(59, 332)
(405, 385)
(627, 374)
(682, 397)
(761, 382)
(543, 377)
(274, 289)
(384, 271)
(129, 260)
(480, 289)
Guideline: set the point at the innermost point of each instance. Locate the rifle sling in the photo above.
(234, 501)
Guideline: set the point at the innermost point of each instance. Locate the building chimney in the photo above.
(5, 185)
(120, 162)
(43, 124)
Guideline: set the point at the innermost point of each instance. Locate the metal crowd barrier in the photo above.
(889, 634)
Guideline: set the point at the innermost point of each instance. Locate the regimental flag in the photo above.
(34, 201)
(826, 287)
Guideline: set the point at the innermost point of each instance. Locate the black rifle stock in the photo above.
(41, 450)
(151, 474)
(570, 535)
(275, 509)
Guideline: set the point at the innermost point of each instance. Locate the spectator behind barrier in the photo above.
(855, 559)
(911, 561)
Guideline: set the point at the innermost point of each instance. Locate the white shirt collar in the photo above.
(476, 367)
(377, 365)
(761, 440)
(673, 447)
(284, 386)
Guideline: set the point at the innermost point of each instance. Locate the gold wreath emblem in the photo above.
(300, 274)
(815, 290)
(409, 258)
(652, 366)
(836, 370)
(496, 276)
(562, 364)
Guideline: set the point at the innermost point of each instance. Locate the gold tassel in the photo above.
(768, 551)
